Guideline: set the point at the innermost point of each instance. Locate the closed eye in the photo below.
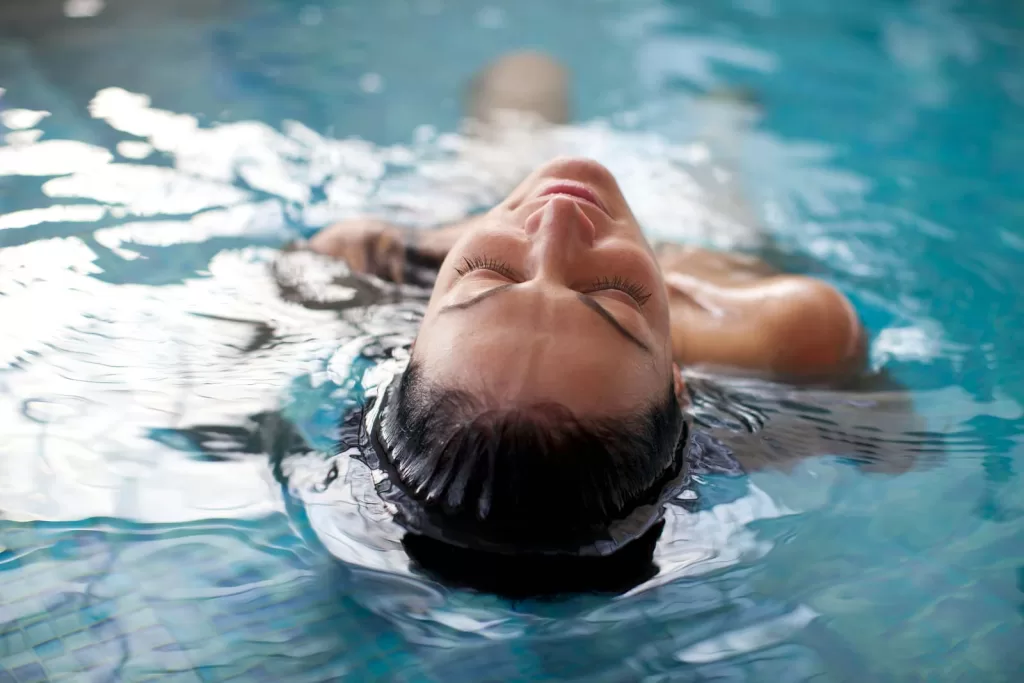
(483, 263)
(635, 290)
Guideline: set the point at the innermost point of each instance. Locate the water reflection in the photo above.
(156, 353)
(80, 9)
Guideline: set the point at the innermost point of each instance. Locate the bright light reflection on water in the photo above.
(144, 530)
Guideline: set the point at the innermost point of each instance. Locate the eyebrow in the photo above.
(473, 301)
(588, 301)
(591, 303)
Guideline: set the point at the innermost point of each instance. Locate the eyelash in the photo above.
(499, 267)
(633, 289)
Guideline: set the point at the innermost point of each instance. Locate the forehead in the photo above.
(519, 351)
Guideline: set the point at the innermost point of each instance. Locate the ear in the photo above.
(679, 384)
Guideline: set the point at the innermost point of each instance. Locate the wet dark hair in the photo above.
(538, 474)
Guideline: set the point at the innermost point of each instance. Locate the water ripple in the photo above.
(152, 368)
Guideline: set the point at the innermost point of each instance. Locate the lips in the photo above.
(576, 191)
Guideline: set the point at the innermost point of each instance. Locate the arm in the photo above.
(374, 247)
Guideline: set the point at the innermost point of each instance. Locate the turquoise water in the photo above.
(156, 154)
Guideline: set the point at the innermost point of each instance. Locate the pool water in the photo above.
(157, 153)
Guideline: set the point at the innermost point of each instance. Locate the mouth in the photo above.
(576, 191)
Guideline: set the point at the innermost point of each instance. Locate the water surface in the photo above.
(157, 154)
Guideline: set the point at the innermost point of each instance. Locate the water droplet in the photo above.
(82, 9)
(371, 83)
(20, 119)
(130, 149)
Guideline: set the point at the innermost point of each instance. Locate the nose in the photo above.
(560, 232)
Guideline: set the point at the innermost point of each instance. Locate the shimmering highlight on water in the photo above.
(146, 347)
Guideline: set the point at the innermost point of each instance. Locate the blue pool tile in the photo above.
(208, 674)
(105, 630)
(51, 648)
(30, 673)
(63, 667)
(150, 638)
(12, 643)
(76, 640)
(39, 632)
(66, 624)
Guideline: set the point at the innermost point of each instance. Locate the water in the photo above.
(144, 533)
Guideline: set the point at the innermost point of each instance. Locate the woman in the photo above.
(541, 406)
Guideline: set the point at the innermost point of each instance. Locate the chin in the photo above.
(578, 168)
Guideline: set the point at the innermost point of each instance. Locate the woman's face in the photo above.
(553, 296)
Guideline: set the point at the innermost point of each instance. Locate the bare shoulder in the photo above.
(815, 327)
(728, 311)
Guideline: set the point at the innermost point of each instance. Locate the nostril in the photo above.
(562, 219)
